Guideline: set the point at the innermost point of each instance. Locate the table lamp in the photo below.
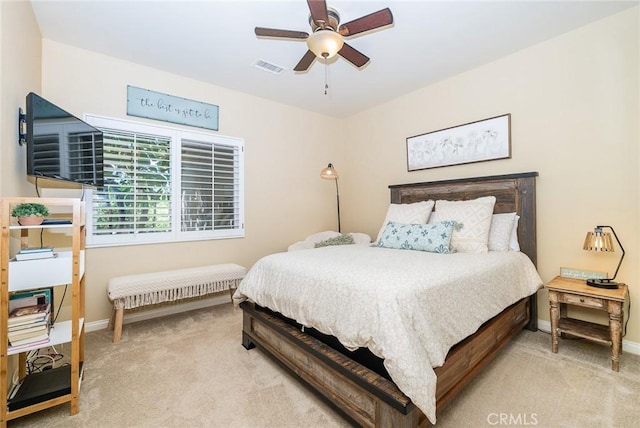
(601, 241)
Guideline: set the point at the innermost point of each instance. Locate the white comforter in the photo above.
(408, 307)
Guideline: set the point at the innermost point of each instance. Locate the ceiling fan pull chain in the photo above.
(326, 76)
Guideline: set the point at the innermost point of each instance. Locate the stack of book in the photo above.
(29, 325)
(35, 253)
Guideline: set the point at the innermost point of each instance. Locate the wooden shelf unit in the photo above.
(65, 270)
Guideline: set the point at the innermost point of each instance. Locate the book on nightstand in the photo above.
(35, 255)
(28, 313)
(20, 299)
(26, 333)
(30, 345)
(35, 250)
(41, 338)
(28, 325)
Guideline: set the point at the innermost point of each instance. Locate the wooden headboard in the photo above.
(513, 192)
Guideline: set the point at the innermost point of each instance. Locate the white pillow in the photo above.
(514, 244)
(416, 213)
(474, 216)
(500, 232)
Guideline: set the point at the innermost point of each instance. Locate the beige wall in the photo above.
(574, 101)
(20, 71)
(284, 152)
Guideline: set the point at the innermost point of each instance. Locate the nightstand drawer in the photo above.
(589, 302)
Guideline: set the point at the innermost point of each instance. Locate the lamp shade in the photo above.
(598, 241)
(325, 43)
(601, 241)
(329, 172)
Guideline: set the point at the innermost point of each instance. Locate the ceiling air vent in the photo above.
(267, 66)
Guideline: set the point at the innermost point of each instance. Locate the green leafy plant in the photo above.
(25, 210)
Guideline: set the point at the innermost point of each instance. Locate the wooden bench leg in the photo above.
(117, 325)
(111, 319)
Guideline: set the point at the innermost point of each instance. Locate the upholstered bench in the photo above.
(133, 291)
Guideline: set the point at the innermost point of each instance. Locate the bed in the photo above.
(364, 378)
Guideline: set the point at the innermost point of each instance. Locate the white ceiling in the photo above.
(214, 41)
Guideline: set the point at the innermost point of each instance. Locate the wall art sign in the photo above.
(479, 141)
(168, 108)
(581, 274)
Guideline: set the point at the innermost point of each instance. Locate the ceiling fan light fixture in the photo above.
(325, 43)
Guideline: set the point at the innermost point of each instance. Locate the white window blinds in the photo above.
(165, 184)
(136, 197)
(209, 186)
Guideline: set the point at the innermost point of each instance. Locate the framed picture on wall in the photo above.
(479, 141)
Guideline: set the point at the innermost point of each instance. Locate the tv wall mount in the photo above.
(22, 127)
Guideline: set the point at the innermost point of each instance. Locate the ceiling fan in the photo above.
(326, 39)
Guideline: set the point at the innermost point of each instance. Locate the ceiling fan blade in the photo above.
(368, 22)
(305, 62)
(286, 34)
(354, 56)
(318, 9)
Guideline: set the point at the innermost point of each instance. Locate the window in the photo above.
(165, 184)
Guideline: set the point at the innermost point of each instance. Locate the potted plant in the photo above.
(30, 214)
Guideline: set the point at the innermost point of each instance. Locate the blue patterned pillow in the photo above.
(434, 238)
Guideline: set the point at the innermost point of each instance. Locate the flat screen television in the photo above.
(62, 147)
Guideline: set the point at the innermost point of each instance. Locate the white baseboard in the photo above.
(544, 326)
(627, 346)
(162, 311)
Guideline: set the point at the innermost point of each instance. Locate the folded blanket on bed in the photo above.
(407, 307)
(312, 241)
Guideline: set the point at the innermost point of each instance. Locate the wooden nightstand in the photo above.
(567, 291)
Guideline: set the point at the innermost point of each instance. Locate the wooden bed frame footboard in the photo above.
(368, 398)
(362, 395)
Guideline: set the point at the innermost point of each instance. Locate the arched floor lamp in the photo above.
(330, 173)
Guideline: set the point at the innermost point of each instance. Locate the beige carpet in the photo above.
(190, 370)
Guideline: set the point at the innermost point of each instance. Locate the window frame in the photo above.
(176, 135)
